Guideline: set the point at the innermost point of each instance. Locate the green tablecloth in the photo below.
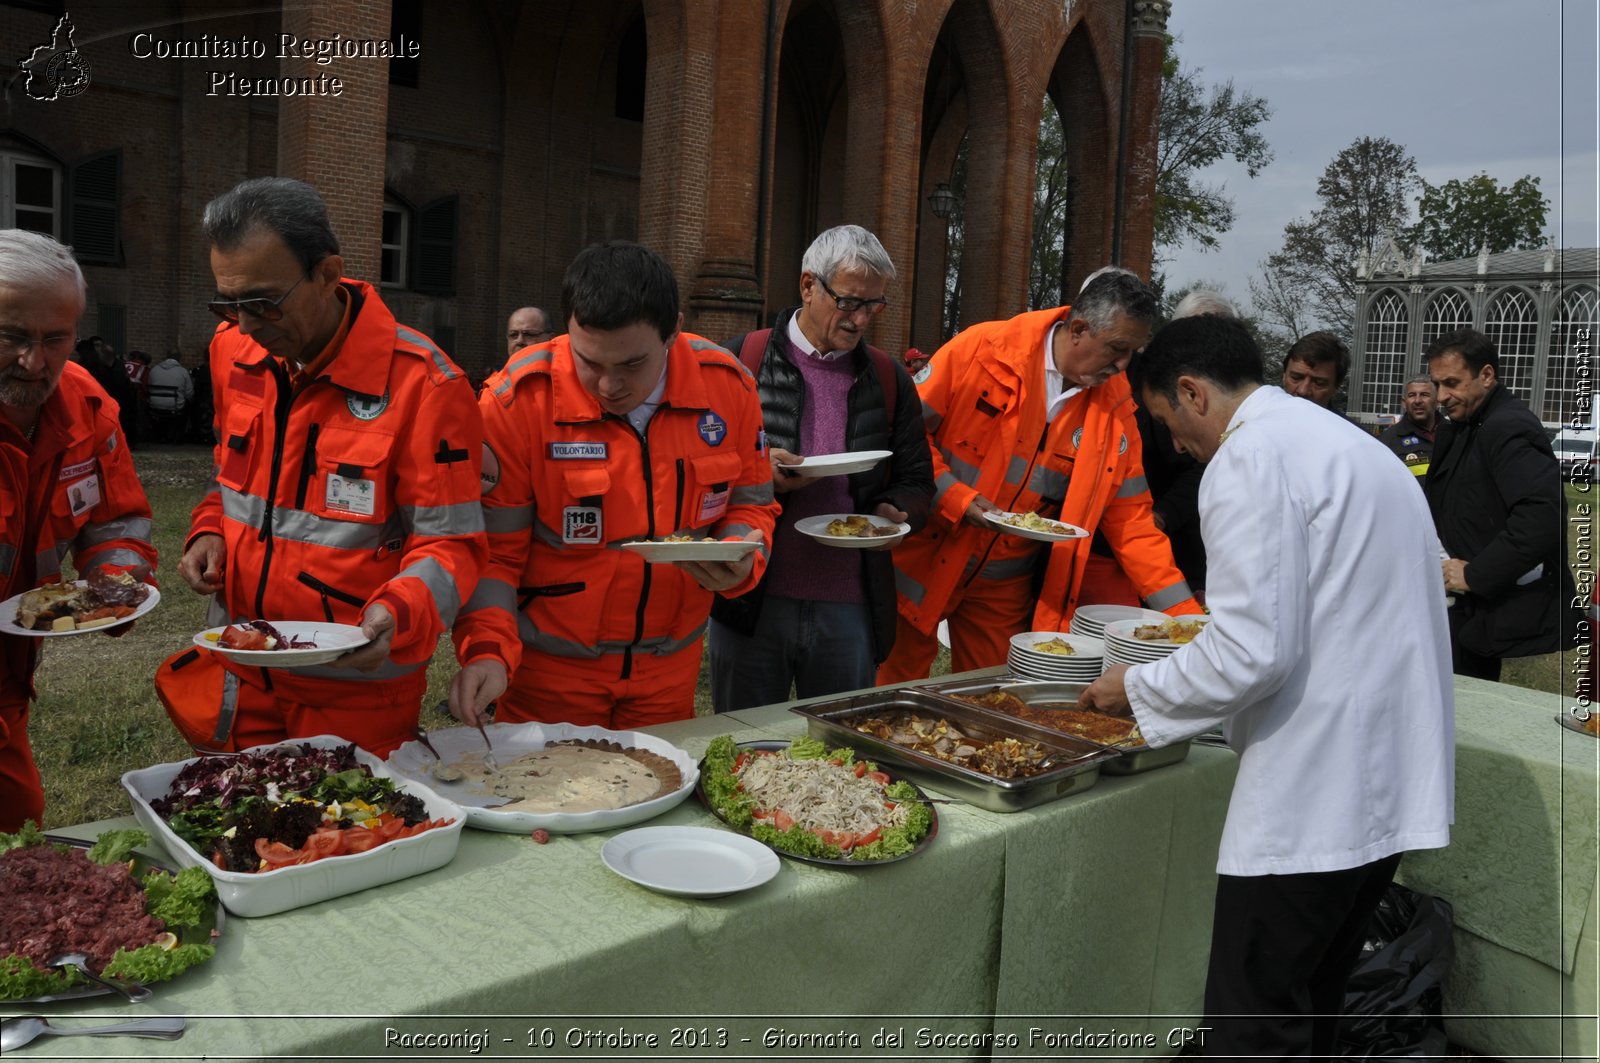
(1086, 914)
(1520, 873)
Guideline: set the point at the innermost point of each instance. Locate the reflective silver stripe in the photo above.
(908, 588)
(491, 594)
(8, 557)
(729, 531)
(1011, 567)
(501, 519)
(1134, 485)
(702, 344)
(458, 518)
(1167, 597)
(506, 385)
(63, 548)
(227, 710)
(751, 495)
(942, 483)
(663, 646)
(1048, 483)
(440, 362)
(92, 559)
(46, 565)
(299, 526)
(440, 585)
(967, 474)
(130, 528)
(1015, 470)
(931, 418)
(386, 670)
(547, 535)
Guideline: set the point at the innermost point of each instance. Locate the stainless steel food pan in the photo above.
(1078, 762)
(1133, 759)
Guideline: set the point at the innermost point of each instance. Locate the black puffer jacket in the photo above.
(1494, 487)
(904, 481)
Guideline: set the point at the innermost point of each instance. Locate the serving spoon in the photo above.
(441, 771)
(14, 1033)
(136, 993)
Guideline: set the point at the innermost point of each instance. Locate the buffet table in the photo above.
(1079, 927)
(1520, 872)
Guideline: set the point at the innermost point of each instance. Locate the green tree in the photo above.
(1045, 259)
(1364, 196)
(1201, 125)
(1456, 218)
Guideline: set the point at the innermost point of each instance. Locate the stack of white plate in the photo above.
(1083, 665)
(1091, 620)
(1123, 648)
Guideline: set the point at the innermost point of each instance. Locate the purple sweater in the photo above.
(801, 567)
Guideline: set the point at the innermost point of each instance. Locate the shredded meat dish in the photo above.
(59, 901)
(1003, 757)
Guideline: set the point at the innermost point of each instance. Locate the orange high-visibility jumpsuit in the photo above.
(360, 488)
(591, 633)
(983, 405)
(74, 488)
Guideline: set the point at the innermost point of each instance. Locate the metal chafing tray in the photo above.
(1130, 761)
(1078, 770)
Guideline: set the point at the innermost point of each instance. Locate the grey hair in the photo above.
(1112, 293)
(1205, 301)
(291, 209)
(31, 260)
(1107, 270)
(846, 247)
(1420, 378)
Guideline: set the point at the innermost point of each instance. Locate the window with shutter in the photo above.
(394, 243)
(30, 193)
(95, 230)
(111, 325)
(437, 225)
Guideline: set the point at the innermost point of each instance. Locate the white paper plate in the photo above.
(838, 464)
(333, 641)
(270, 892)
(690, 861)
(8, 616)
(998, 519)
(658, 553)
(817, 528)
(512, 740)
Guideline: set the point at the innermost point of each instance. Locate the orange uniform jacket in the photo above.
(564, 483)
(360, 488)
(74, 489)
(983, 406)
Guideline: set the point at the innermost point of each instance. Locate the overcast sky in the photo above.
(1506, 87)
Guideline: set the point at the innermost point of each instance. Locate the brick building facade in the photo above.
(722, 133)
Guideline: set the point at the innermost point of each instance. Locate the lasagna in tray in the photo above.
(1094, 726)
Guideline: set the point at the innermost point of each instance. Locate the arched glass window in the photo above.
(1571, 345)
(1388, 328)
(1447, 311)
(1513, 324)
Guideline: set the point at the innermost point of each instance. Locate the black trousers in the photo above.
(1464, 662)
(1282, 949)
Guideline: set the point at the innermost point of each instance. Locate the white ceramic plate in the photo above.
(333, 641)
(690, 861)
(270, 892)
(1121, 631)
(658, 553)
(512, 740)
(1068, 532)
(838, 464)
(1098, 616)
(817, 528)
(9, 625)
(1085, 647)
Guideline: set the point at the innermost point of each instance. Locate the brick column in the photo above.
(337, 144)
(1139, 187)
(724, 298)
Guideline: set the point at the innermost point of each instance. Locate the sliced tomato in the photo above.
(826, 835)
(782, 820)
(391, 829)
(837, 762)
(861, 768)
(277, 854)
(740, 761)
(325, 843)
(871, 836)
(218, 859)
(360, 839)
(881, 778)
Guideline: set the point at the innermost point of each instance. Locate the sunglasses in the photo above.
(262, 308)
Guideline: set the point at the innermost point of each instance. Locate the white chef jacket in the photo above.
(1327, 657)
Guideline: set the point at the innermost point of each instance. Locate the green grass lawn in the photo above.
(97, 715)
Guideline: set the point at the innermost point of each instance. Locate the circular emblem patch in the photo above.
(491, 469)
(1122, 445)
(366, 407)
(1077, 438)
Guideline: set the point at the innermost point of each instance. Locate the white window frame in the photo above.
(10, 159)
(402, 249)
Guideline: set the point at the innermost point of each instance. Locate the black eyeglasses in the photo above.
(849, 304)
(263, 308)
(529, 336)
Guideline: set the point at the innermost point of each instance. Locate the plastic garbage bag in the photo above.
(1393, 1001)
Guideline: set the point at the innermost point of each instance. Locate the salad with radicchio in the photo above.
(287, 805)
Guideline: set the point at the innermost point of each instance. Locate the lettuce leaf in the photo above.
(115, 846)
(180, 900)
(152, 963)
(30, 834)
